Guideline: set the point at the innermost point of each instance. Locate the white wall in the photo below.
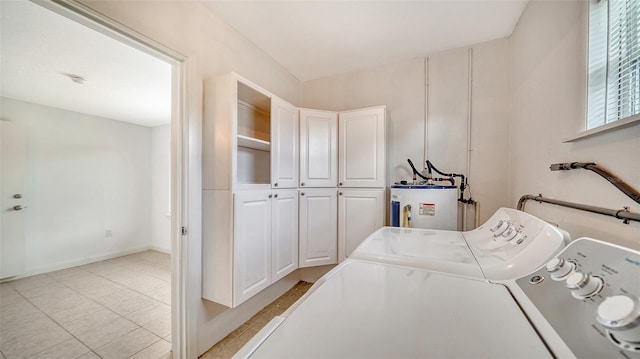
(191, 29)
(84, 175)
(548, 77)
(401, 86)
(161, 188)
(500, 160)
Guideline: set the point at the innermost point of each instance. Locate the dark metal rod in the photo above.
(617, 182)
(622, 214)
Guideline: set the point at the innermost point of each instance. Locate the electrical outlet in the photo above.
(108, 233)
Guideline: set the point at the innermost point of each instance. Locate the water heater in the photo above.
(424, 206)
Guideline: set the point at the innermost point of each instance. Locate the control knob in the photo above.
(500, 227)
(584, 285)
(560, 269)
(620, 314)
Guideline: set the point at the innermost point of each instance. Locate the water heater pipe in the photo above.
(476, 208)
(617, 182)
(469, 115)
(426, 109)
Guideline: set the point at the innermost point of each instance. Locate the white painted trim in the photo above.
(186, 165)
(187, 209)
(161, 250)
(627, 122)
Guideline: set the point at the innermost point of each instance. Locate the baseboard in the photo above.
(80, 262)
(160, 249)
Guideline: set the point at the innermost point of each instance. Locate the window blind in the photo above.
(614, 61)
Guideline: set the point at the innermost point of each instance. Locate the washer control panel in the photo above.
(591, 298)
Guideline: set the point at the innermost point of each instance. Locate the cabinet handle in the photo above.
(275, 196)
(340, 193)
(302, 193)
(302, 184)
(270, 195)
(275, 184)
(340, 184)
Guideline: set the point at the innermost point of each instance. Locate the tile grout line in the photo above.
(137, 326)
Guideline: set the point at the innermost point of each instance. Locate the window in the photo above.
(614, 61)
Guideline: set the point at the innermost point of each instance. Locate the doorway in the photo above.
(116, 227)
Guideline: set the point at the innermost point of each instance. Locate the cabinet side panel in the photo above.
(217, 131)
(217, 246)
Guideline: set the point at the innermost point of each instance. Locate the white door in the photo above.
(284, 238)
(360, 213)
(12, 202)
(361, 149)
(284, 144)
(318, 227)
(251, 244)
(318, 148)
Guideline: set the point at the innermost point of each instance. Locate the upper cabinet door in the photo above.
(361, 149)
(318, 148)
(284, 144)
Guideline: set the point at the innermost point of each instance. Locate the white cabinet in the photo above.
(270, 172)
(284, 233)
(250, 137)
(250, 218)
(359, 165)
(318, 226)
(318, 148)
(251, 244)
(361, 150)
(247, 249)
(360, 213)
(284, 144)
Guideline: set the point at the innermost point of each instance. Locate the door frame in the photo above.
(185, 160)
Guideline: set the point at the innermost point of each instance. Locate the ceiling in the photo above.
(313, 39)
(40, 48)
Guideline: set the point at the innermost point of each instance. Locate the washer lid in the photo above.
(374, 310)
(435, 250)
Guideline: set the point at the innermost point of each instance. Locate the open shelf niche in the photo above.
(253, 136)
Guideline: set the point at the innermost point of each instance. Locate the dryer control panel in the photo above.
(513, 243)
(590, 295)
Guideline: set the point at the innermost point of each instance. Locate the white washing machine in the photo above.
(583, 304)
(509, 245)
(377, 310)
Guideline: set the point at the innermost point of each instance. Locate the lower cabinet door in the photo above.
(318, 226)
(360, 213)
(251, 244)
(284, 238)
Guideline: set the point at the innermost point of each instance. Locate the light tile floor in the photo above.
(117, 308)
(228, 346)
